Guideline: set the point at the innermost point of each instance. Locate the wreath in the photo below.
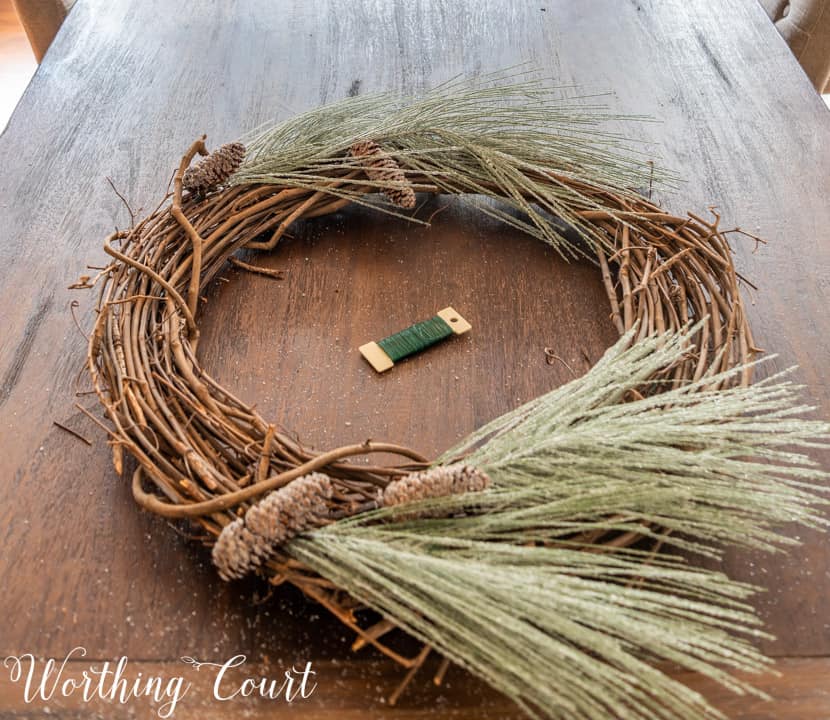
(544, 553)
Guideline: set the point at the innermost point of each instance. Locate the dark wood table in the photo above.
(124, 90)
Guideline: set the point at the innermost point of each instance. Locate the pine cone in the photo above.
(246, 543)
(238, 550)
(215, 169)
(437, 482)
(287, 512)
(380, 167)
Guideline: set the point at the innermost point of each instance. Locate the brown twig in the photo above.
(176, 211)
(419, 661)
(438, 678)
(72, 306)
(257, 269)
(123, 200)
(551, 357)
(72, 432)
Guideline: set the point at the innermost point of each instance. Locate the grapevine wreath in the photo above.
(528, 553)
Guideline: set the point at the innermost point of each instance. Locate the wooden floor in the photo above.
(17, 62)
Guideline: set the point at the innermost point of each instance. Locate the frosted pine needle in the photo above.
(504, 589)
(497, 137)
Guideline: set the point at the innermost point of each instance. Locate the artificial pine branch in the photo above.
(501, 137)
(504, 589)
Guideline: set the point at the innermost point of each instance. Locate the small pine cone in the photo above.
(215, 169)
(437, 482)
(246, 543)
(380, 167)
(290, 510)
(238, 550)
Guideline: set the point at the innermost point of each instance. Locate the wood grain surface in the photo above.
(127, 86)
(355, 691)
